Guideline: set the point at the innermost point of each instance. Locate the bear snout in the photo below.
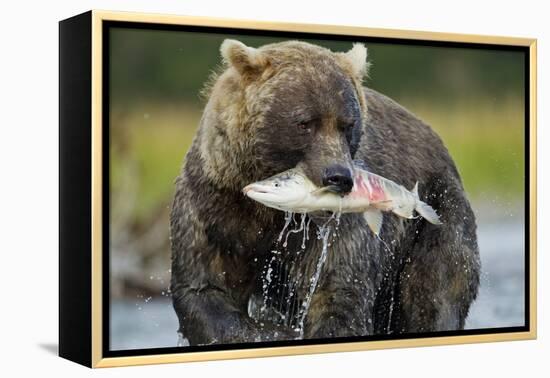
(338, 178)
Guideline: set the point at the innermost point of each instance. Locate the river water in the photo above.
(152, 323)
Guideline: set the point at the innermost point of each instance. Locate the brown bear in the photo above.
(293, 103)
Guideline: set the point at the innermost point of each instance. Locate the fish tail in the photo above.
(425, 210)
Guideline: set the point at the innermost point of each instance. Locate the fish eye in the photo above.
(277, 184)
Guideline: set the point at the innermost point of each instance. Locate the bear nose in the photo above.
(338, 178)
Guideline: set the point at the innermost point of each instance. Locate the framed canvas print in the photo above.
(234, 189)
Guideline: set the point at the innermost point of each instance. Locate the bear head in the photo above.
(284, 105)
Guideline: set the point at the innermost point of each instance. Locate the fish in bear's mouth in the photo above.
(292, 191)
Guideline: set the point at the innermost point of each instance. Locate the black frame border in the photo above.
(106, 25)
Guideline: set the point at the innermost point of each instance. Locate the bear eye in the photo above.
(304, 126)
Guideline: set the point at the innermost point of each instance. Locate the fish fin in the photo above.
(414, 191)
(374, 219)
(404, 211)
(427, 212)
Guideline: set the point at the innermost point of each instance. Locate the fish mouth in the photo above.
(256, 188)
(265, 195)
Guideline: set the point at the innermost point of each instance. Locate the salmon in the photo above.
(371, 195)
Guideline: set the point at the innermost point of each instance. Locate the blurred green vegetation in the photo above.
(473, 99)
(485, 139)
(174, 65)
(150, 143)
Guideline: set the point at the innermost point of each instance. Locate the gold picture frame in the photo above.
(81, 258)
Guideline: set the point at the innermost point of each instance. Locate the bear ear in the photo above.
(246, 60)
(357, 60)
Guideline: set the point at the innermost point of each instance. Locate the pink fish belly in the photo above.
(370, 189)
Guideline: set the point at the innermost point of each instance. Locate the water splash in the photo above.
(182, 341)
(282, 278)
(306, 234)
(392, 299)
(289, 216)
(386, 246)
(296, 230)
(390, 315)
(273, 277)
(266, 280)
(323, 234)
